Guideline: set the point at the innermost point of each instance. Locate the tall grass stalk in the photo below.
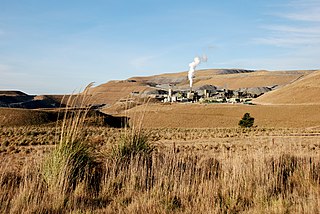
(177, 183)
(134, 141)
(72, 160)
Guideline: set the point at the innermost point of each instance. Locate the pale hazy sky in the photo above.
(54, 47)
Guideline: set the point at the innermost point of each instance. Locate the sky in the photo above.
(58, 47)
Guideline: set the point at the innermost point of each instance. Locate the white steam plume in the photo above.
(204, 58)
(192, 67)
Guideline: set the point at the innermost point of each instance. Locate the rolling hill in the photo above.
(31, 117)
(26, 117)
(289, 87)
(18, 99)
(306, 90)
(293, 102)
(113, 91)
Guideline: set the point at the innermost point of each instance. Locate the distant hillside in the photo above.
(250, 79)
(287, 87)
(23, 117)
(113, 91)
(18, 99)
(306, 90)
(26, 117)
(12, 93)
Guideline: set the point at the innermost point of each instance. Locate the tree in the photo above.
(246, 121)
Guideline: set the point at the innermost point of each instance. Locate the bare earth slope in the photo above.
(306, 90)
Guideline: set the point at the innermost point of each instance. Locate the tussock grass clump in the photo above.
(133, 142)
(131, 145)
(67, 165)
(73, 161)
(283, 168)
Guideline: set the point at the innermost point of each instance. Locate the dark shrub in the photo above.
(246, 121)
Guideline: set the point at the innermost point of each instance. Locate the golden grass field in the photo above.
(191, 170)
(189, 115)
(174, 158)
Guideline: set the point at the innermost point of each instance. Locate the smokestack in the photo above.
(205, 93)
(192, 67)
(170, 92)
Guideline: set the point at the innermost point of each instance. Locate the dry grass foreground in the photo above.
(167, 183)
(99, 170)
(221, 170)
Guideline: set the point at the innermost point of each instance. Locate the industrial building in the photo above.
(208, 94)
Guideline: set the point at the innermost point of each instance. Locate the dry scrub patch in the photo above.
(21, 143)
(170, 182)
(208, 170)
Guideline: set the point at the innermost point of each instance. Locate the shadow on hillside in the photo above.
(26, 117)
(109, 120)
(117, 122)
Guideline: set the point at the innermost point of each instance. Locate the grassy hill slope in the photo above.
(111, 92)
(24, 117)
(303, 91)
(224, 115)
